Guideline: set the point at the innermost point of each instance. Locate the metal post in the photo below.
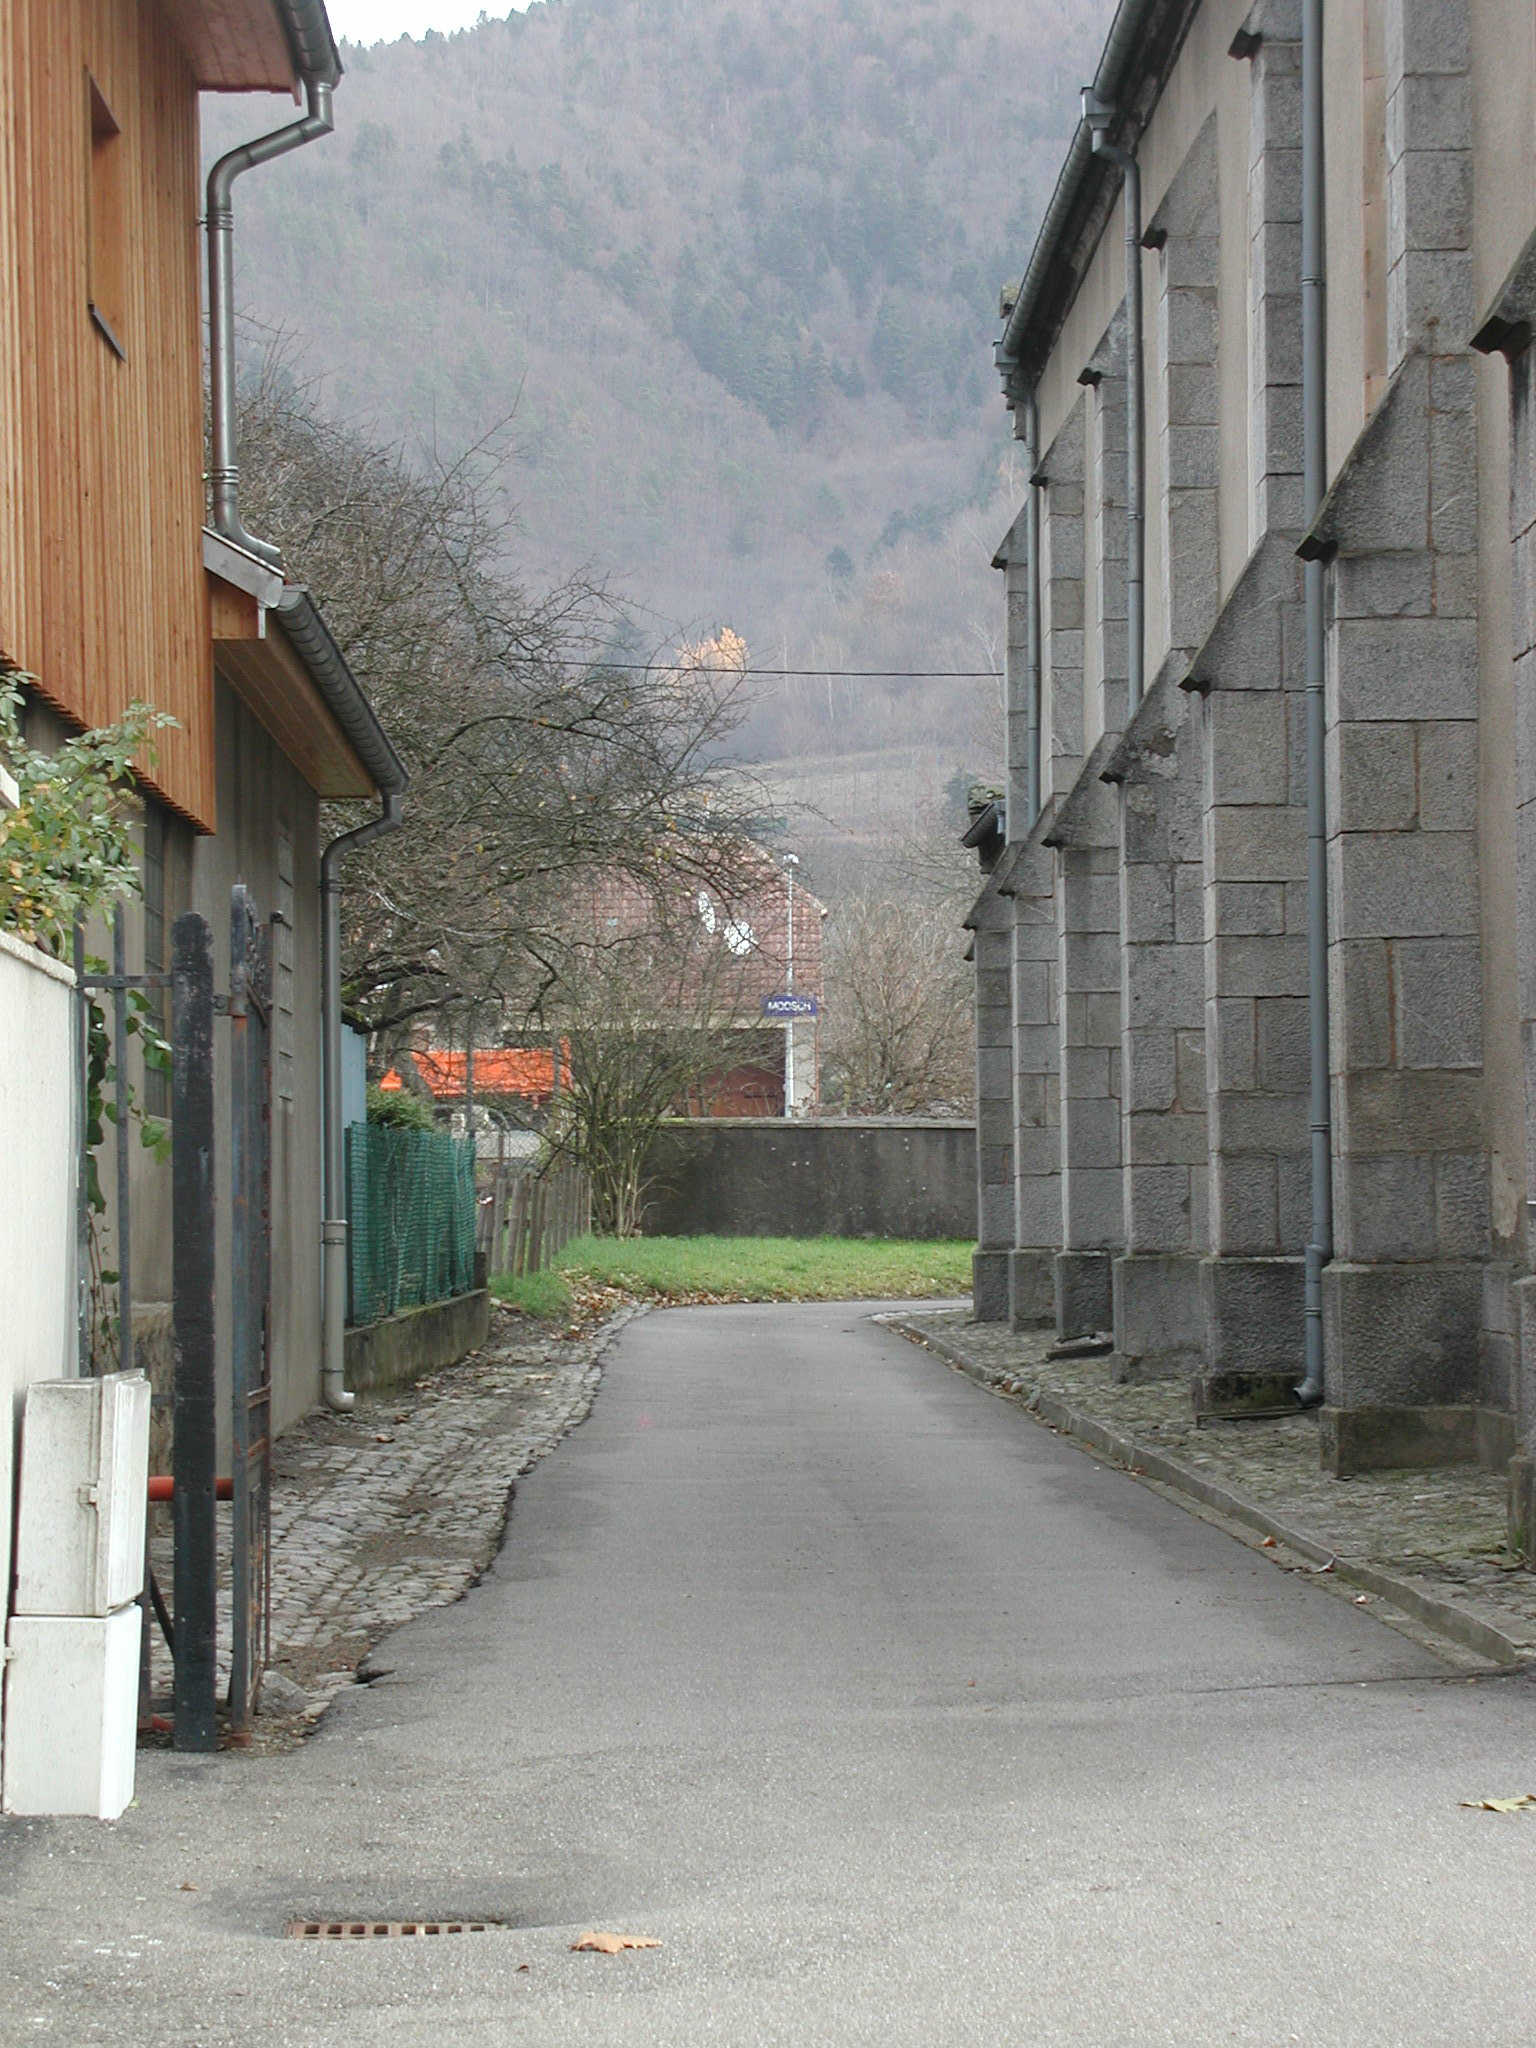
(192, 1199)
(82, 1162)
(1314, 481)
(243, 1307)
(1098, 116)
(122, 1097)
(791, 862)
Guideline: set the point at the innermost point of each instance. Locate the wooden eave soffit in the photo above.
(233, 45)
(253, 654)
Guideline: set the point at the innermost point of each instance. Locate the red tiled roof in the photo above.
(528, 1071)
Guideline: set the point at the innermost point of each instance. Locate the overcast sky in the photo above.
(381, 21)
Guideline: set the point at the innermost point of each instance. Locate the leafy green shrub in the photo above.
(67, 851)
(399, 1110)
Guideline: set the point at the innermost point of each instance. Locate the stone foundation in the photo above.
(989, 1286)
(1402, 1336)
(1084, 1293)
(1158, 1321)
(1031, 1290)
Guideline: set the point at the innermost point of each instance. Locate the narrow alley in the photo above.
(889, 1715)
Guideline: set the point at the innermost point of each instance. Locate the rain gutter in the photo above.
(1314, 340)
(319, 70)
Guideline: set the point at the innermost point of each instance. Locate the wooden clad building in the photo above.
(112, 585)
(102, 589)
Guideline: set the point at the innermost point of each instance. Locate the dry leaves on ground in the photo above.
(1525, 1803)
(611, 1944)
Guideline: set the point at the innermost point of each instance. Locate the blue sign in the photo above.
(789, 1006)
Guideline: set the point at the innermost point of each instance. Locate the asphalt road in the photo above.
(891, 1716)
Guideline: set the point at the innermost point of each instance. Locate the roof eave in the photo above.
(1144, 40)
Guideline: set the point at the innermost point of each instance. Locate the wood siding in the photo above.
(102, 593)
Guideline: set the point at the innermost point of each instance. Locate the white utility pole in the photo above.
(791, 862)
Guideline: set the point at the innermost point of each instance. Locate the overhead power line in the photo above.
(886, 675)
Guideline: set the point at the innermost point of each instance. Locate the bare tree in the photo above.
(899, 1036)
(541, 741)
(651, 1004)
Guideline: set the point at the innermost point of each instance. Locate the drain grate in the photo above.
(372, 1930)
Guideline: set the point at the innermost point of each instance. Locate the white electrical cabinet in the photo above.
(84, 1483)
(71, 1702)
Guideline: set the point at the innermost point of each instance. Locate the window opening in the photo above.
(105, 225)
(283, 980)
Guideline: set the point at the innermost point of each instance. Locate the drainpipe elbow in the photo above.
(219, 222)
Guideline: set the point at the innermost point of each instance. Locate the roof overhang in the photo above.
(276, 653)
(254, 45)
(1143, 44)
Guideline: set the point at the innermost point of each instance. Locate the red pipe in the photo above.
(162, 1487)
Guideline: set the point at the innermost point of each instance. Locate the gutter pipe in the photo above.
(311, 638)
(1127, 34)
(319, 68)
(333, 1225)
(1314, 479)
(1097, 114)
(1033, 675)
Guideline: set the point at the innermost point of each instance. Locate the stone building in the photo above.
(1270, 989)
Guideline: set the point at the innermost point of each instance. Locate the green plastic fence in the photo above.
(411, 1218)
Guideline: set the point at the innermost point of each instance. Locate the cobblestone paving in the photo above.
(400, 1505)
(1442, 1531)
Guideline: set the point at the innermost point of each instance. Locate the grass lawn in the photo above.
(704, 1269)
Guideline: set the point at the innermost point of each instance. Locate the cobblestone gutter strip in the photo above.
(400, 1505)
(1505, 1637)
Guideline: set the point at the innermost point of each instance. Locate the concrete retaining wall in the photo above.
(853, 1177)
(37, 1241)
(400, 1349)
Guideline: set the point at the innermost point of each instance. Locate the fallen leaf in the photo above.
(1268, 1543)
(189, 1887)
(382, 1436)
(520, 1968)
(1526, 1803)
(611, 1944)
(1362, 1599)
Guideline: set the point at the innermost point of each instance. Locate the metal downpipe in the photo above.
(333, 1224)
(1098, 116)
(1033, 676)
(224, 468)
(1314, 479)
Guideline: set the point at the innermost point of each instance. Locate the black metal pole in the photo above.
(82, 1161)
(243, 1308)
(122, 1096)
(192, 1201)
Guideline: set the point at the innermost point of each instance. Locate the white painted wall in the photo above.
(37, 1216)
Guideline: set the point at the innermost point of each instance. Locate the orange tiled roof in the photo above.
(528, 1071)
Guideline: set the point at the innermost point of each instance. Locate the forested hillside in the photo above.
(728, 274)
